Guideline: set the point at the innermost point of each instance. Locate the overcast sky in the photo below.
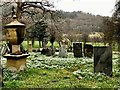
(96, 7)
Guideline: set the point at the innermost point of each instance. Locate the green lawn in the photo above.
(55, 72)
(36, 44)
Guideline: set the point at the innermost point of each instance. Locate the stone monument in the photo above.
(77, 49)
(15, 34)
(103, 59)
(88, 50)
(63, 51)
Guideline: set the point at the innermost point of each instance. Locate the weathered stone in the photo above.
(77, 49)
(88, 50)
(15, 34)
(103, 60)
(52, 50)
(16, 62)
(63, 51)
(14, 48)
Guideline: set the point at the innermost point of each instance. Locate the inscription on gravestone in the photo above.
(77, 49)
(103, 60)
(88, 50)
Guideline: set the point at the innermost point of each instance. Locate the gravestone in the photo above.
(52, 50)
(48, 51)
(88, 50)
(103, 60)
(45, 51)
(63, 51)
(77, 49)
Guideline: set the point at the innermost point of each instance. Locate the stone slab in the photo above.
(103, 60)
(77, 49)
(63, 51)
(88, 50)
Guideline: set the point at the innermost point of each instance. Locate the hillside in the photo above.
(78, 22)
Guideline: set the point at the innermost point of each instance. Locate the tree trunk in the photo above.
(118, 46)
(39, 44)
(19, 9)
(110, 43)
(27, 44)
(33, 43)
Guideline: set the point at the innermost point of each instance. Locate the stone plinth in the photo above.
(103, 60)
(16, 62)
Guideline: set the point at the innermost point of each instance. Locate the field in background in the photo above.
(56, 44)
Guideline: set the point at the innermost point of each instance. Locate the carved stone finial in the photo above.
(14, 16)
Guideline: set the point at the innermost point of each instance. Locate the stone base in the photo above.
(16, 62)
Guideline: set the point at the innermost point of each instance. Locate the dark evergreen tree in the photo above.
(38, 31)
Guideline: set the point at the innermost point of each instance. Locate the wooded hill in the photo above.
(78, 22)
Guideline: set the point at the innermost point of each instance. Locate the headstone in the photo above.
(88, 50)
(45, 51)
(103, 60)
(77, 49)
(48, 51)
(63, 51)
(52, 50)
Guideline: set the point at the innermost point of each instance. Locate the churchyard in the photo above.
(44, 48)
(61, 72)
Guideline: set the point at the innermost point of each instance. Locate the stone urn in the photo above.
(15, 34)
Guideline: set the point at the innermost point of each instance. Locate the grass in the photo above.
(36, 44)
(56, 72)
(55, 78)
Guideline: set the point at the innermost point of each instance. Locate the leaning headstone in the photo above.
(77, 49)
(103, 60)
(63, 51)
(88, 50)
